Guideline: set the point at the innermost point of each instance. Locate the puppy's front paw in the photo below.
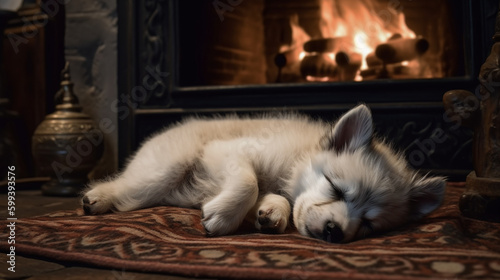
(217, 220)
(94, 202)
(271, 221)
(213, 224)
(273, 212)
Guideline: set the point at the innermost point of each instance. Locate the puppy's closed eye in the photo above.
(338, 193)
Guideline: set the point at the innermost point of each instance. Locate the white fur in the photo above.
(260, 168)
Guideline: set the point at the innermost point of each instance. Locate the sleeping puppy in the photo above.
(338, 182)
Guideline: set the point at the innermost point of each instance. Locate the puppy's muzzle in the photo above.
(333, 233)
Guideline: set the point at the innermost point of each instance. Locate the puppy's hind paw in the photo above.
(87, 205)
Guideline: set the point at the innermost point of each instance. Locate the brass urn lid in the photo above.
(68, 109)
(68, 105)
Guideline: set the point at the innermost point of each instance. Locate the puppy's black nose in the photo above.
(333, 233)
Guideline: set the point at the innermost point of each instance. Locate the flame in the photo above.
(362, 45)
(360, 26)
(302, 54)
(366, 25)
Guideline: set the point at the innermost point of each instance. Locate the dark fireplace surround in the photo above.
(407, 112)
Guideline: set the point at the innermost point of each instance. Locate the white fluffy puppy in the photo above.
(341, 182)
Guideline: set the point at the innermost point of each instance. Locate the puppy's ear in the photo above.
(425, 196)
(352, 131)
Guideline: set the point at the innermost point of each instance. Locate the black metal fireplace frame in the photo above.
(407, 111)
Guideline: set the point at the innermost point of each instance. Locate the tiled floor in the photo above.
(31, 203)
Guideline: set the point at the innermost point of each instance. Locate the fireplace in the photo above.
(278, 41)
(318, 57)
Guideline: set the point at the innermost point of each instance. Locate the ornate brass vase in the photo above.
(66, 145)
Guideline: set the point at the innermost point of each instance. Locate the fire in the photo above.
(302, 54)
(362, 45)
(359, 40)
(361, 21)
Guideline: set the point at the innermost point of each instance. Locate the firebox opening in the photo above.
(242, 42)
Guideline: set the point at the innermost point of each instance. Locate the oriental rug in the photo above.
(171, 240)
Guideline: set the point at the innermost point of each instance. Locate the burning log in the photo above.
(324, 44)
(318, 66)
(349, 64)
(344, 59)
(373, 61)
(287, 61)
(369, 73)
(348, 72)
(386, 71)
(286, 58)
(398, 50)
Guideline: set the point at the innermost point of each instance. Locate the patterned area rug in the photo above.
(171, 240)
